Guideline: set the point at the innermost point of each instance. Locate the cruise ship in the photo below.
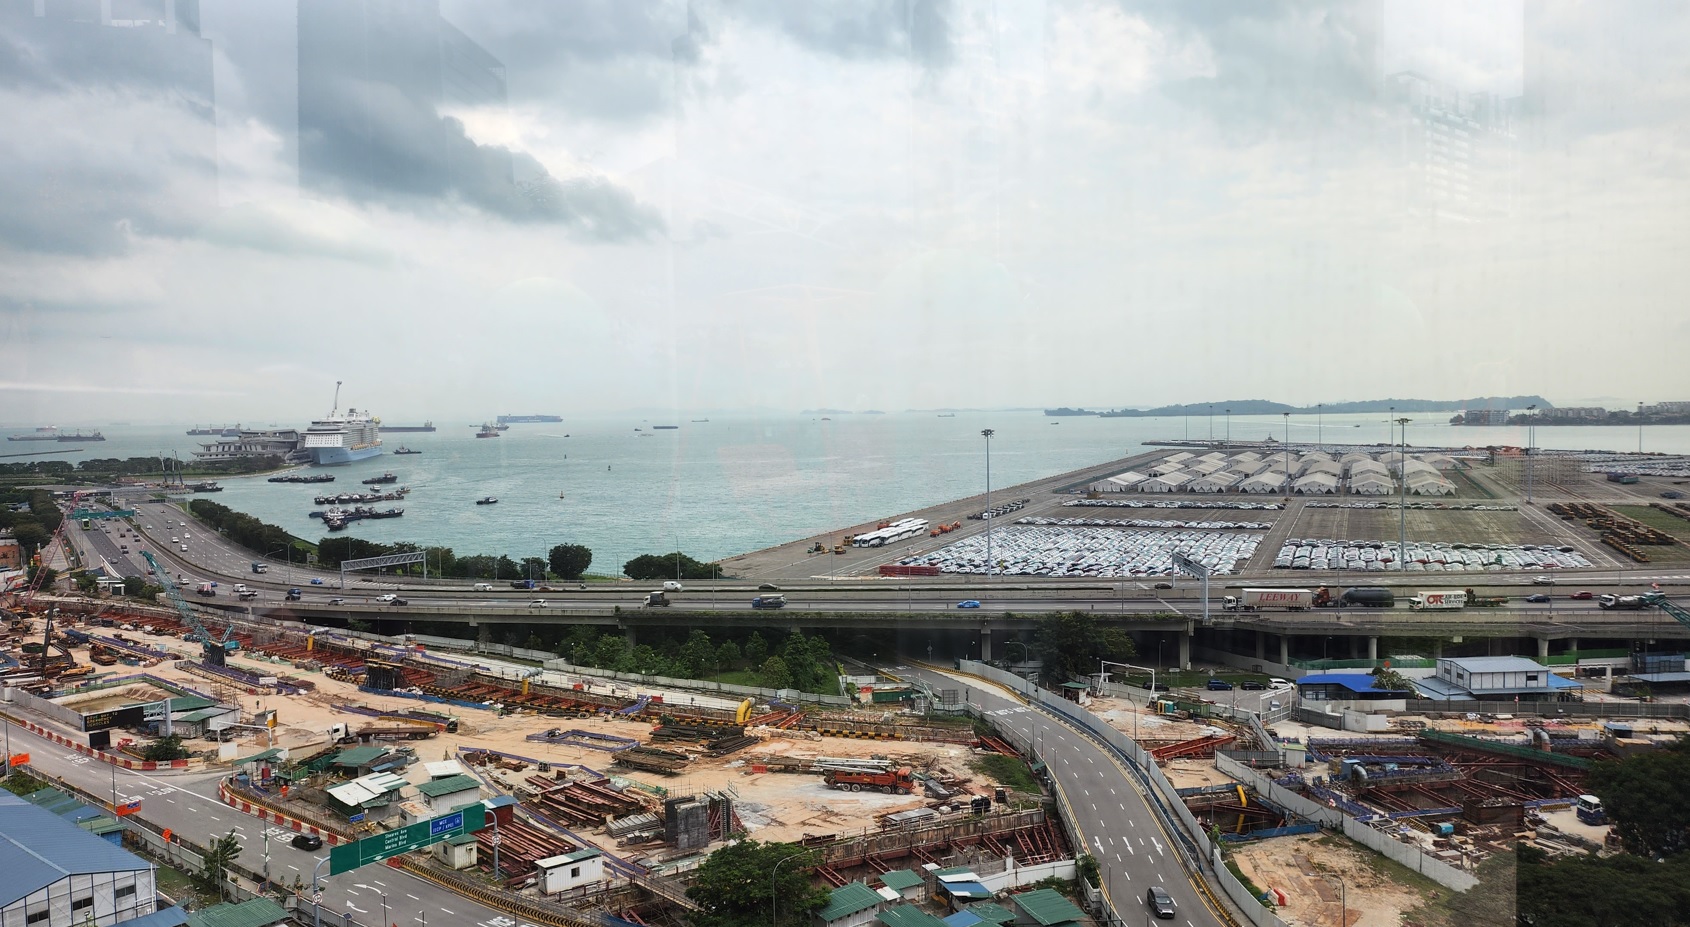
(342, 437)
(271, 442)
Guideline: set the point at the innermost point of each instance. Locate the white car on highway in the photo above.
(386, 598)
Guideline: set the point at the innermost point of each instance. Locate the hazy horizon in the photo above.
(677, 207)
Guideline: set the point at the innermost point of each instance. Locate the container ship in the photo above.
(79, 436)
(342, 437)
(409, 429)
(528, 419)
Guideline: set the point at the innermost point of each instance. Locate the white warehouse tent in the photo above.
(1205, 467)
(1120, 482)
(1371, 484)
(1439, 461)
(1166, 482)
(1317, 483)
(1165, 467)
(1246, 457)
(1313, 464)
(1216, 482)
(1365, 467)
(1176, 458)
(1268, 481)
(1429, 484)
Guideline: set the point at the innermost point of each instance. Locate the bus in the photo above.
(87, 523)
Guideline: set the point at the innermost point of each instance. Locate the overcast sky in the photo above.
(735, 204)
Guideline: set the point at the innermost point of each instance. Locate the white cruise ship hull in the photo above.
(333, 456)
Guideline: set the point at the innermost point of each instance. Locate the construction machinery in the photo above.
(891, 780)
(215, 649)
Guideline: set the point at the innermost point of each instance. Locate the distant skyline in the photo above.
(215, 211)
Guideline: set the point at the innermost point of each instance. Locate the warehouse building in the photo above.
(54, 874)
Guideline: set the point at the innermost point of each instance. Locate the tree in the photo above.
(697, 656)
(570, 561)
(1645, 797)
(727, 655)
(663, 566)
(1612, 891)
(742, 883)
(86, 582)
(220, 854)
(533, 568)
(775, 674)
(168, 747)
(756, 649)
(1072, 643)
(610, 651)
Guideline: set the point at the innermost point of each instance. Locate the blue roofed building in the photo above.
(1496, 679)
(55, 874)
(1346, 687)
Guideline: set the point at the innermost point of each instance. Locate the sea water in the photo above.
(731, 485)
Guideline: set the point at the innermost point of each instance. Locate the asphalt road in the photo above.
(187, 804)
(1111, 813)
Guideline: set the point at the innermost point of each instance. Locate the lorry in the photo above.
(656, 600)
(1249, 600)
(1368, 597)
(260, 567)
(294, 595)
(386, 727)
(1444, 600)
(769, 601)
(1629, 602)
(1474, 600)
(891, 780)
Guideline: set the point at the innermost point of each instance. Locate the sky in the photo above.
(479, 206)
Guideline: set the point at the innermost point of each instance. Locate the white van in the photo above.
(483, 587)
(671, 586)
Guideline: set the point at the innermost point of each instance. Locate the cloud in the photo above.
(919, 30)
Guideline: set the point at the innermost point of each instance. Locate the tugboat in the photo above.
(378, 480)
(405, 450)
(489, 500)
(487, 431)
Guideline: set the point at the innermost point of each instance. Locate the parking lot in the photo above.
(1055, 550)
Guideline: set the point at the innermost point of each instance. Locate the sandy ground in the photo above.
(774, 806)
(1309, 871)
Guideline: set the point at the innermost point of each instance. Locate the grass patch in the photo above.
(1237, 873)
(22, 783)
(1489, 904)
(1010, 771)
(179, 885)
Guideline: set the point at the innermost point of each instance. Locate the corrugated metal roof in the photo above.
(259, 912)
(1048, 907)
(443, 769)
(991, 913)
(1496, 664)
(448, 785)
(900, 879)
(846, 900)
(55, 849)
(359, 756)
(963, 919)
(259, 757)
(908, 916)
(167, 917)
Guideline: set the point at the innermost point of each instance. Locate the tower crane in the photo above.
(216, 653)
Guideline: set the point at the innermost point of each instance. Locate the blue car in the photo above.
(1219, 685)
(316, 581)
(968, 603)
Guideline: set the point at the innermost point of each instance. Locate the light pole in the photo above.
(987, 434)
(1287, 455)
(1211, 423)
(288, 548)
(495, 842)
(1229, 428)
(317, 893)
(267, 865)
(384, 919)
(1640, 428)
(774, 899)
(1531, 419)
(1402, 498)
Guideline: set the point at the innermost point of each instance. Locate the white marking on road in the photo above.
(350, 892)
(214, 817)
(356, 908)
(413, 897)
(382, 884)
(171, 800)
(454, 913)
(293, 867)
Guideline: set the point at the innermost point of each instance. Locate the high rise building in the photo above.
(1456, 151)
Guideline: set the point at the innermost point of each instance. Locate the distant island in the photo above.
(1266, 407)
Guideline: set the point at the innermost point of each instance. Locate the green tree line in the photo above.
(795, 661)
(31, 516)
(259, 537)
(104, 468)
(563, 561)
(670, 566)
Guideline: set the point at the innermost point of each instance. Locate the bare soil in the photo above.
(1328, 882)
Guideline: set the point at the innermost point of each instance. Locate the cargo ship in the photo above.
(44, 433)
(664, 427)
(342, 437)
(528, 419)
(79, 436)
(487, 431)
(410, 429)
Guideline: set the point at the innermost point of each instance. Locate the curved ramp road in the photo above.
(1107, 804)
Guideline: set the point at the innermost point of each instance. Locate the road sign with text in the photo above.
(1189, 566)
(349, 856)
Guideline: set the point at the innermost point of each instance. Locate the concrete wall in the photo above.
(1406, 854)
(38, 705)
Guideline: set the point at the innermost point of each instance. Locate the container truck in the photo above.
(892, 780)
(656, 600)
(260, 567)
(769, 601)
(1249, 600)
(1445, 600)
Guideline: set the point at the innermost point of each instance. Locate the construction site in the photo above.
(351, 737)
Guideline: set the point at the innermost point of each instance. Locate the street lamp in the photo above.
(1402, 498)
(1287, 455)
(1640, 428)
(1320, 424)
(289, 549)
(1211, 423)
(774, 899)
(1229, 428)
(384, 919)
(1531, 420)
(987, 434)
(317, 893)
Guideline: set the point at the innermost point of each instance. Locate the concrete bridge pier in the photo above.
(1373, 647)
(985, 644)
(1185, 648)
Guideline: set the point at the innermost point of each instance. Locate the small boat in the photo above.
(405, 450)
(487, 431)
(488, 500)
(664, 427)
(561, 495)
(701, 420)
(387, 477)
(947, 415)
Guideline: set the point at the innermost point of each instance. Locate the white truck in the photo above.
(1250, 600)
(1445, 600)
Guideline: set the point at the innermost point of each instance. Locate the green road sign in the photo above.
(349, 856)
